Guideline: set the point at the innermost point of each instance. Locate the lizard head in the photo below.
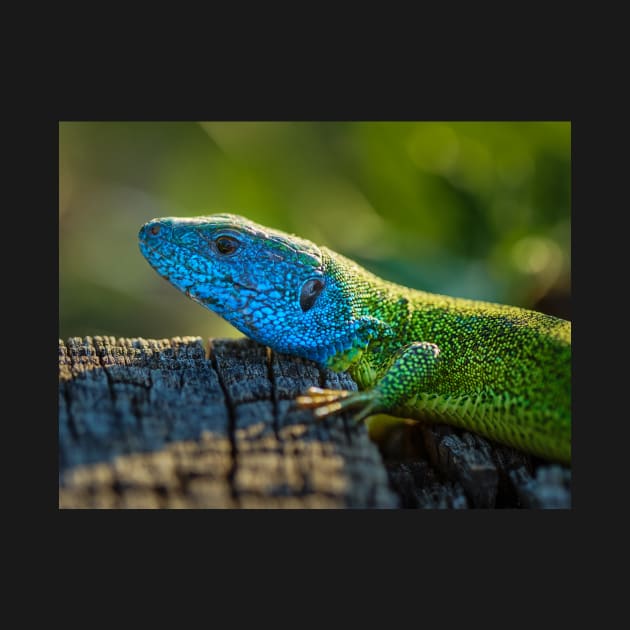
(272, 286)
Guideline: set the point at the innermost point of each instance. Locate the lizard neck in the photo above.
(377, 316)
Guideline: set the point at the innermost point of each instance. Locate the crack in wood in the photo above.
(231, 428)
(271, 362)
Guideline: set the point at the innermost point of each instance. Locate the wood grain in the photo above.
(174, 423)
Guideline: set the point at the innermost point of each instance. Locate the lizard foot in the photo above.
(326, 402)
(412, 365)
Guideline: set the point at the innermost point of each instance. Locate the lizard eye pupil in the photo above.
(310, 290)
(226, 245)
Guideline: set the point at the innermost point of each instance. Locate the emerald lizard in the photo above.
(500, 371)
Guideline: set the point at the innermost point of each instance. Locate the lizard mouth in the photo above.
(152, 254)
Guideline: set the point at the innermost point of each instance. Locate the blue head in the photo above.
(277, 289)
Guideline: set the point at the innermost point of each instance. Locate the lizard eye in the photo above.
(310, 290)
(226, 245)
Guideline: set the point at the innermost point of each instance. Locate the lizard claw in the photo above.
(316, 397)
(326, 402)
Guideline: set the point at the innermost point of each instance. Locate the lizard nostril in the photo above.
(155, 229)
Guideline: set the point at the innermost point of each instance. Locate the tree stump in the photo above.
(171, 423)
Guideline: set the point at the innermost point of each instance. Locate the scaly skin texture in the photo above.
(501, 371)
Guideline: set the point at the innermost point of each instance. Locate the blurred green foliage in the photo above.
(479, 210)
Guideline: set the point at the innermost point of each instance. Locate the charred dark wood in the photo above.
(174, 423)
(169, 423)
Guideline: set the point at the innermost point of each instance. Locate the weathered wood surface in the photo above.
(171, 423)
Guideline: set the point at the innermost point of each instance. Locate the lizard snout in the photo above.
(157, 228)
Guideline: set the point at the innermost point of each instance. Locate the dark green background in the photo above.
(479, 210)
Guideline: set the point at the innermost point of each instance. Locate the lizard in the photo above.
(501, 371)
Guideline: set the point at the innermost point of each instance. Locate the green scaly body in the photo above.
(504, 372)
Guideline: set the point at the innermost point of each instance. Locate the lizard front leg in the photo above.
(412, 367)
